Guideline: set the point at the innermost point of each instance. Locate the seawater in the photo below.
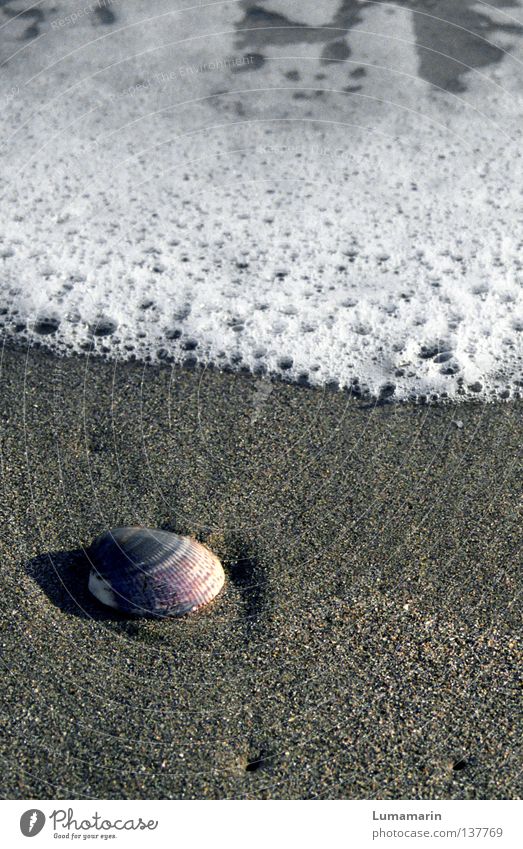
(326, 191)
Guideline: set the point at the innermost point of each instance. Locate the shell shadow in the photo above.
(63, 575)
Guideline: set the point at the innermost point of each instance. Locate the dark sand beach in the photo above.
(367, 643)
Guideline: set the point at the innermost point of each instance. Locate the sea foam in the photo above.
(333, 199)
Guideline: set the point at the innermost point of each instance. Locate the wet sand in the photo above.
(367, 642)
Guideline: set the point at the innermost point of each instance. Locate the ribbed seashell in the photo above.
(150, 572)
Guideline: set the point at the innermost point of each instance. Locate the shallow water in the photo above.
(326, 191)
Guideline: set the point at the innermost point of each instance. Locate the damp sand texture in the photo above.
(367, 641)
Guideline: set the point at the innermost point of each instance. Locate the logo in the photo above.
(32, 822)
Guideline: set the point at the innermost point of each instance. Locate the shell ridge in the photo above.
(147, 571)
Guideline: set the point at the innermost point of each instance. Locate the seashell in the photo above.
(149, 572)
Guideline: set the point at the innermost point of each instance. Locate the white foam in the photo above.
(370, 237)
